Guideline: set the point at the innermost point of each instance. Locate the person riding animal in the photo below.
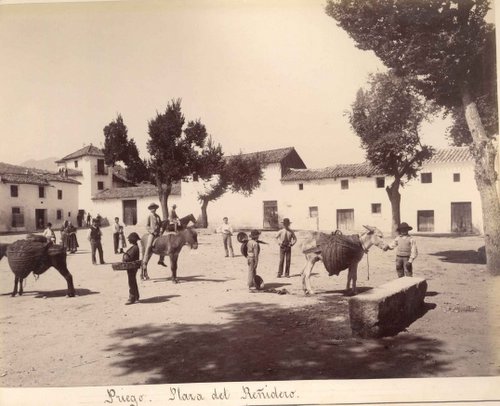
(153, 227)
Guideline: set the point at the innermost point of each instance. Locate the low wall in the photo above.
(387, 309)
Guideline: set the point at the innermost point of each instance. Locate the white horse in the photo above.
(357, 245)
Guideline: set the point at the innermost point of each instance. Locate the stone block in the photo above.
(387, 309)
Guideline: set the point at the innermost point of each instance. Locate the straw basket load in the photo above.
(339, 251)
(123, 266)
(27, 256)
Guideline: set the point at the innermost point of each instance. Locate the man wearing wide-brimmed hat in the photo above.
(286, 239)
(253, 250)
(153, 226)
(406, 250)
(132, 255)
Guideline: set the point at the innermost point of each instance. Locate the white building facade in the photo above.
(30, 198)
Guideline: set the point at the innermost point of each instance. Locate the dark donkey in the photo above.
(37, 258)
(170, 244)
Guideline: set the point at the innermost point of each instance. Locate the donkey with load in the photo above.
(36, 255)
(338, 252)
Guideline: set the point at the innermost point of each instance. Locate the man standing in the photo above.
(94, 236)
(116, 234)
(227, 231)
(174, 218)
(286, 239)
(89, 217)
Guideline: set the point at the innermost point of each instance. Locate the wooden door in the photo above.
(40, 218)
(271, 221)
(130, 212)
(345, 219)
(461, 217)
(425, 220)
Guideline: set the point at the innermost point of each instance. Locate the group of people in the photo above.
(68, 236)
(405, 245)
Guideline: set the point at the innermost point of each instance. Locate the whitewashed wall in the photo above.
(28, 200)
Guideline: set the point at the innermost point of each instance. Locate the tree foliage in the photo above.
(178, 150)
(387, 118)
(117, 147)
(238, 174)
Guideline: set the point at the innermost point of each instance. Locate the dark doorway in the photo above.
(425, 220)
(40, 218)
(130, 212)
(271, 221)
(461, 217)
(345, 219)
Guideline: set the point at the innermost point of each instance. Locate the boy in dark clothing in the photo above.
(406, 252)
(286, 239)
(132, 255)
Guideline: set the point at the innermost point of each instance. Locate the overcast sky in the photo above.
(259, 74)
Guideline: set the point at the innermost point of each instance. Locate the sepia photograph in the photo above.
(249, 202)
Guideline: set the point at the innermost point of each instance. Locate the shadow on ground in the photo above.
(460, 257)
(267, 342)
(158, 299)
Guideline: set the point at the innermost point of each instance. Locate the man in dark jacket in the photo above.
(94, 236)
(132, 255)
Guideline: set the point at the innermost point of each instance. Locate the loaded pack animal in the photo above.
(35, 255)
(338, 252)
(170, 245)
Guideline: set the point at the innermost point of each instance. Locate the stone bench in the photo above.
(387, 309)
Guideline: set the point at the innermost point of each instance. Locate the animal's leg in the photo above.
(352, 277)
(173, 266)
(63, 270)
(16, 281)
(21, 280)
(306, 275)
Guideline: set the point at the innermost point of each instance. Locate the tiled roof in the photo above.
(337, 171)
(144, 190)
(87, 150)
(453, 154)
(270, 156)
(22, 175)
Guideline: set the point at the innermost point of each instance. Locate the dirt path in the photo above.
(210, 328)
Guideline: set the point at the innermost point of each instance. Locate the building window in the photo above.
(76, 164)
(313, 211)
(344, 184)
(14, 191)
(426, 177)
(456, 177)
(425, 220)
(101, 168)
(59, 194)
(59, 214)
(196, 177)
(380, 182)
(17, 217)
(41, 192)
(100, 185)
(376, 208)
(301, 186)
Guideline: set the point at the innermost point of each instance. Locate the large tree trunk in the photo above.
(163, 194)
(484, 152)
(204, 214)
(395, 199)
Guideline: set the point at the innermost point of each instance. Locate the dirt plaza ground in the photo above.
(210, 328)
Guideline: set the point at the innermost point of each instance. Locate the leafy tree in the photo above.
(238, 174)
(450, 50)
(387, 118)
(178, 151)
(117, 147)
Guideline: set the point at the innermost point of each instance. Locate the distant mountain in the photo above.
(47, 164)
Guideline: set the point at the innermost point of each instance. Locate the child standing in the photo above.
(253, 250)
(132, 255)
(123, 243)
(406, 250)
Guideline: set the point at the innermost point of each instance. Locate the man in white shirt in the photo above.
(227, 231)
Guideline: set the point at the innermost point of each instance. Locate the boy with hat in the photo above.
(286, 239)
(253, 250)
(406, 252)
(132, 255)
